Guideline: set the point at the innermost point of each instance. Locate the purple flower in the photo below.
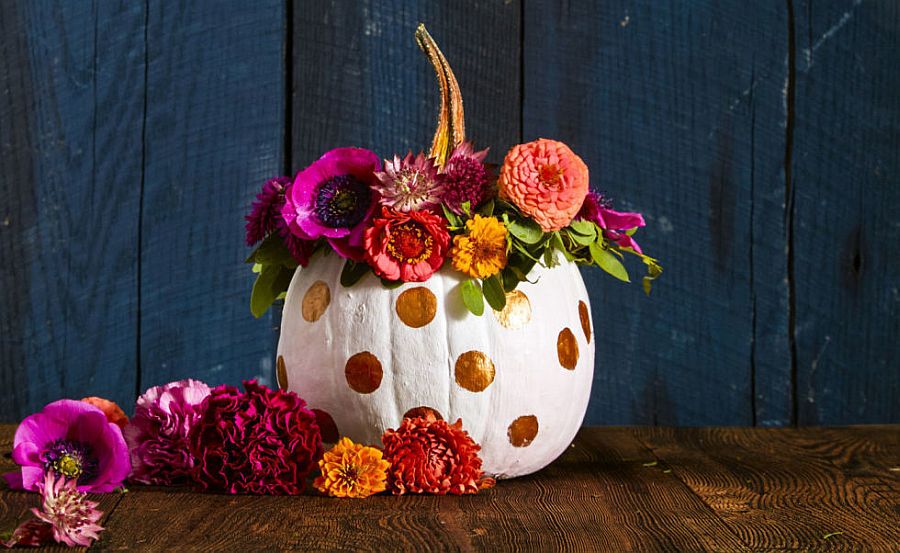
(74, 439)
(334, 199)
(410, 184)
(466, 178)
(265, 218)
(73, 518)
(158, 432)
(615, 224)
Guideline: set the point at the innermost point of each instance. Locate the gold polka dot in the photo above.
(281, 373)
(567, 349)
(416, 306)
(585, 316)
(474, 371)
(316, 301)
(422, 412)
(523, 430)
(517, 311)
(363, 372)
(327, 427)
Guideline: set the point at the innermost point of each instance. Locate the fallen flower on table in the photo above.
(352, 470)
(260, 441)
(158, 432)
(76, 440)
(113, 412)
(428, 455)
(65, 517)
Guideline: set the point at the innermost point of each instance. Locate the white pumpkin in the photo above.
(364, 356)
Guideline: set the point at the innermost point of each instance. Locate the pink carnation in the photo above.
(261, 441)
(158, 432)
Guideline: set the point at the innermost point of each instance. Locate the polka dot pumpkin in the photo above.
(365, 357)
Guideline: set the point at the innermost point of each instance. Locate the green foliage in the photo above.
(493, 292)
(352, 272)
(472, 297)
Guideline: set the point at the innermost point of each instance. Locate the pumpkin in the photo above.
(365, 357)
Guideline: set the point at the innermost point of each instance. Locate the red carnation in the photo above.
(406, 246)
(433, 456)
(261, 441)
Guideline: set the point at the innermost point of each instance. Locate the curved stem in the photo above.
(451, 127)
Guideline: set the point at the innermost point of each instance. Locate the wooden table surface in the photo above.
(615, 489)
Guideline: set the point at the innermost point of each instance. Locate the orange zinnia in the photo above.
(352, 470)
(546, 180)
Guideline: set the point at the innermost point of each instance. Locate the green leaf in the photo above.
(653, 272)
(466, 208)
(581, 239)
(352, 272)
(272, 251)
(510, 278)
(472, 297)
(493, 292)
(585, 228)
(263, 295)
(451, 217)
(391, 284)
(525, 230)
(608, 262)
(487, 209)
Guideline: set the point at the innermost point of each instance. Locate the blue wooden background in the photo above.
(760, 139)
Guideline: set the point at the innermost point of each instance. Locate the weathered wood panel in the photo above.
(846, 219)
(215, 128)
(360, 80)
(677, 109)
(71, 110)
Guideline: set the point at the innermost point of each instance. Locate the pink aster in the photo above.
(615, 224)
(73, 518)
(466, 178)
(334, 198)
(410, 184)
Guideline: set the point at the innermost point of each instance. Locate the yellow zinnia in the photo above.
(481, 252)
(352, 470)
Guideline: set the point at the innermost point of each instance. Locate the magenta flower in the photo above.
(410, 184)
(261, 441)
(76, 440)
(158, 432)
(72, 517)
(334, 199)
(615, 224)
(466, 178)
(265, 218)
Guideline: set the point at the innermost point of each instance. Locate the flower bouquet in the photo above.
(386, 267)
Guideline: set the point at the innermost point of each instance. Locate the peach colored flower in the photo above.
(113, 412)
(352, 470)
(546, 180)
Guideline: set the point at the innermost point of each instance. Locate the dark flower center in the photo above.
(409, 243)
(342, 201)
(71, 459)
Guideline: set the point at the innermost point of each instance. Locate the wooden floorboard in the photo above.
(615, 489)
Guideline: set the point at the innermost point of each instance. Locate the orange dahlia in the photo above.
(546, 180)
(113, 412)
(352, 470)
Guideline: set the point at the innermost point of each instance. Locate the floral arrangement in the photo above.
(222, 439)
(404, 218)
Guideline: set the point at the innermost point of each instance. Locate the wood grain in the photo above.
(615, 489)
(846, 235)
(70, 182)
(790, 489)
(215, 124)
(677, 110)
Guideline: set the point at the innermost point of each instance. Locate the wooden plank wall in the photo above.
(760, 140)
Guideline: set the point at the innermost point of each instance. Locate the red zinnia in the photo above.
(406, 246)
(433, 456)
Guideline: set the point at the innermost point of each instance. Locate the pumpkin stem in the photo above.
(451, 128)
